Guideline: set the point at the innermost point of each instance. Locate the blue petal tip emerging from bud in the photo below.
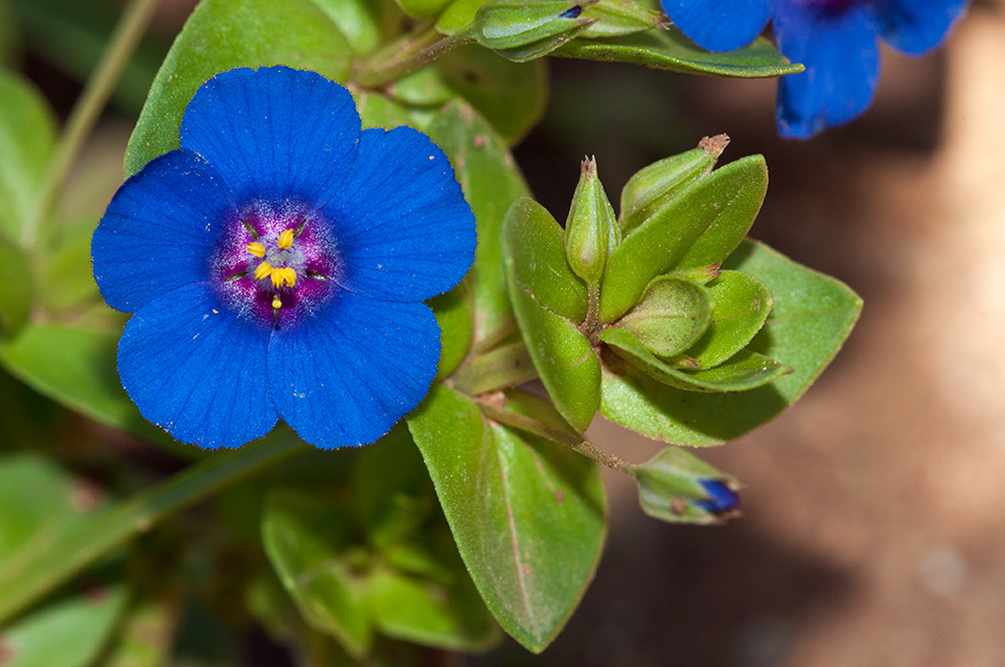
(721, 498)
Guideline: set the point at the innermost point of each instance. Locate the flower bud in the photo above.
(655, 186)
(619, 17)
(671, 315)
(591, 230)
(522, 31)
(677, 486)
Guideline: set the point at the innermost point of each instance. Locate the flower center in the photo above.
(275, 263)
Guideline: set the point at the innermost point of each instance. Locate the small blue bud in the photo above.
(572, 12)
(721, 498)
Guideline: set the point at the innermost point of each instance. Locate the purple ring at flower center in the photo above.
(275, 263)
(829, 7)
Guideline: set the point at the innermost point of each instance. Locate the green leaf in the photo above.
(491, 182)
(77, 368)
(458, 15)
(27, 137)
(546, 296)
(450, 616)
(671, 50)
(511, 97)
(700, 227)
(454, 313)
(670, 316)
(534, 254)
(528, 515)
(423, 9)
(359, 22)
(67, 633)
(740, 307)
(15, 287)
(745, 371)
(811, 317)
(308, 540)
(375, 110)
(222, 35)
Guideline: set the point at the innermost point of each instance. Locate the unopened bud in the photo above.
(620, 17)
(655, 186)
(671, 315)
(591, 230)
(677, 486)
(522, 31)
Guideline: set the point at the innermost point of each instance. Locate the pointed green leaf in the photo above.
(671, 50)
(745, 371)
(534, 254)
(491, 183)
(528, 515)
(700, 227)
(27, 136)
(811, 317)
(222, 35)
(359, 21)
(740, 307)
(670, 316)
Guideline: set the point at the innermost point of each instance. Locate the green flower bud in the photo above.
(591, 230)
(677, 486)
(672, 314)
(522, 31)
(655, 186)
(619, 17)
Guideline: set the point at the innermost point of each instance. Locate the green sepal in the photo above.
(522, 31)
(619, 17)
(740, 306)
(534, 254)
(700, 227)
(670, 50)
(654, 187)
(744, 371)
(671, 315)
(528, 515)
(591, 230)
(670, 487)
(810, 319)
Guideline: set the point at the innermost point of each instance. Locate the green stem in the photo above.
(23, 580)
(87, 109)
(407, 56)
(577, 444)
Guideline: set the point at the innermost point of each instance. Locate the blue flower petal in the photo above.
(719, 25)
(917, 26)
(346, 375)
(721, 498)
(405, 232)
(197, 370)
(274, 133)
(841, 56)
(159, 230)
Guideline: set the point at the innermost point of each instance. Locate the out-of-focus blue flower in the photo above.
(721, 499)
(837, 41)
(276, 265)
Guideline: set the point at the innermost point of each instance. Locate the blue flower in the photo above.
(837, 41)
(277, 263)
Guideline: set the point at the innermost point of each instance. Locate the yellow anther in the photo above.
(256, 249)
(276, 303)
(284, 276)
(264, 270)
(285, 240)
